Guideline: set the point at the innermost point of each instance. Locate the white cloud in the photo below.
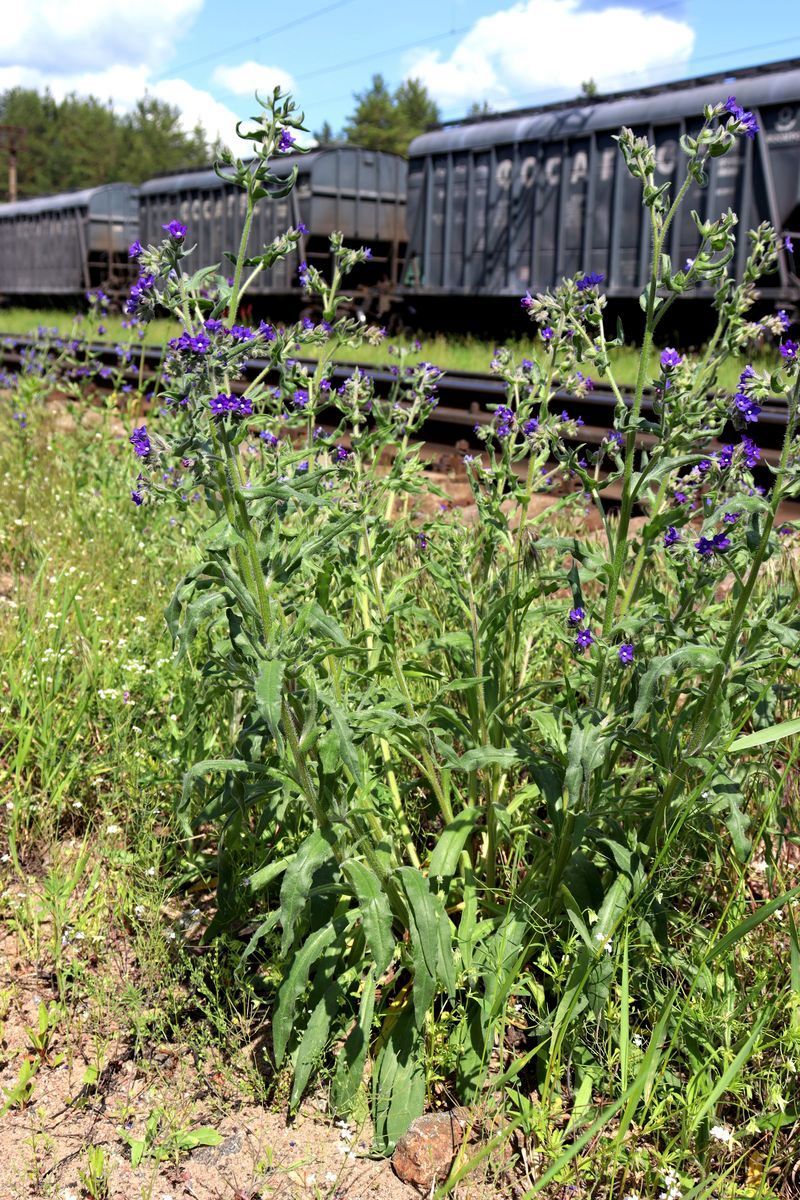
(250, 77)
(520, 54)
(73, 36)
(57, 44)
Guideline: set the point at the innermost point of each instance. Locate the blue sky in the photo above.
(206, 56)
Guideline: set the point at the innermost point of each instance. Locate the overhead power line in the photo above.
(260, 37)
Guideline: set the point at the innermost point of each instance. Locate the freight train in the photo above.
(484, 210)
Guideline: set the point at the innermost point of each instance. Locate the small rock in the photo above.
(424, 1155)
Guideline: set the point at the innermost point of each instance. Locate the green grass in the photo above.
(450, 353)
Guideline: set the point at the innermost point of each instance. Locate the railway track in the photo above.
(464, 400)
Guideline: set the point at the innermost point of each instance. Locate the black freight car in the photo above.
(60, 246)
(509, 203)
(361, 193)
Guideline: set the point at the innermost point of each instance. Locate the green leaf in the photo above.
(295, 984)
(398, 1081)
(447, 851)
(423, 927)
(701, 659)
(484, 756)
(314, 1040)
(353, 1054)
(343, 735)
(296, 886)
(269, 695)
(202, 1136)
(376, 915)
(585, 752)
(763, 737)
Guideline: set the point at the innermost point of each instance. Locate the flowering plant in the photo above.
(453, 750)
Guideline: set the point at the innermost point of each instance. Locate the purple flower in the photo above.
(505, 421)
(530, 426)
(140, 442)
(266, 331)
(746, 119)
(175, 230)
(341, 454)
(670, 359)
(527, 301)
(589, 281)
(575, 616)
(240, 333)
(303, 275)
(747, 407)
(784, 320)
(671, 536)
(286, 140)
(707, 547)
(422, 541)
(625, 653)
(680, 497)
(616, 437)
(752, 454)
(137, 293)
(137, 498)
(546, 334)
(302, 466)
(269, 438)
(240, 406)
(300, 398)
(135, 249)
(789, 349)
(724, 457)
(213, 325)
(583, 640)
(788, 244)
(731, 517)
(193, 345)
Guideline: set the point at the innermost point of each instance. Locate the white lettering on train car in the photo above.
(502, 175)
(666, 155)
(528, 172)
(552, 171)
(607, 159)
(580, 166)
(786, 118)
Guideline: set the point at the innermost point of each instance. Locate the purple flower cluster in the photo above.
(193, 344)
(505, 421)
(707, 547)
(752, 454)
(138, 293)
(744, 404)
(671, 536)
(746, 119)
(135, 249)
(286, 141)
(240, 333)
(140, 442)
(303, 275)
(271, 440)
(175, 230)
(238, 406)
(530, 426)
(589, 281)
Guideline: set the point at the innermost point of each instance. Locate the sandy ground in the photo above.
(263, 1154)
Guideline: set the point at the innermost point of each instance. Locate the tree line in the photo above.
(81, 142)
